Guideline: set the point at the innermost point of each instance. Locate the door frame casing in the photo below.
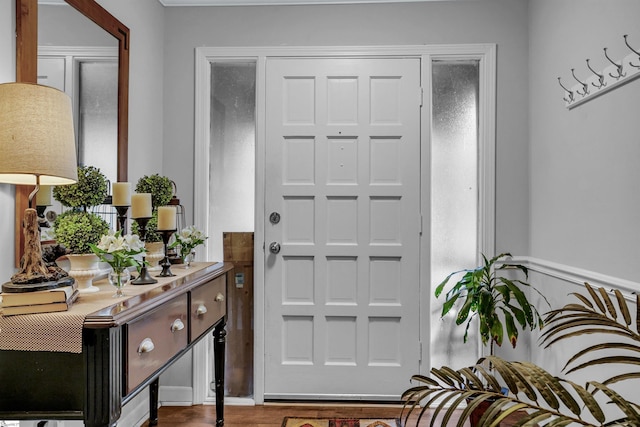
(204, 56)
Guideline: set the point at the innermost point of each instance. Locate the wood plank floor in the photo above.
(269, 415)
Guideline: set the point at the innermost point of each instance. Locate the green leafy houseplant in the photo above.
(537, 395)
(496, 301)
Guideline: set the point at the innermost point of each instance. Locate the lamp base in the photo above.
(34, 275)
(11, 287)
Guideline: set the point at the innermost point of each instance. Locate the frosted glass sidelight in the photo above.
(232, 151)
(454, 198)
(232, 185)
(98, 118)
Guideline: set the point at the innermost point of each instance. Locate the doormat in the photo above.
(340, 422)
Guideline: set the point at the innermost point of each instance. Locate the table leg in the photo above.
(153, 402)
(219, 341)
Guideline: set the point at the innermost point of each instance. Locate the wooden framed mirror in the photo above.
(26, 71)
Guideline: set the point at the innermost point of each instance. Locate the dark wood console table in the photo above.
(125, 346)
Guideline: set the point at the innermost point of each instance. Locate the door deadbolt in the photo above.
(274, 218)
(274, 247)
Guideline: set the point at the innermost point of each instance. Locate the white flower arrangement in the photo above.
(119, 251)
(188, 239)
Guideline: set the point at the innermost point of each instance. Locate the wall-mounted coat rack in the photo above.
(598, 83)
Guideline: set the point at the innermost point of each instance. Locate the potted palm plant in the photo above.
(493, 297)
(537, 395)
(77, 228)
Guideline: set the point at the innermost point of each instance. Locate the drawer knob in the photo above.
(177, 325)
(202, 309)
(146, 346)
(219, 297)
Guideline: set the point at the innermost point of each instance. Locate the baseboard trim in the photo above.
(136, 411)
(175, 396)
(239, 401)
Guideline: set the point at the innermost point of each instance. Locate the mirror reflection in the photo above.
(88, 73)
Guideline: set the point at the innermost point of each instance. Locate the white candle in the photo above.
(141, 205)
(121, 194)
(43, 196)
(167, 218)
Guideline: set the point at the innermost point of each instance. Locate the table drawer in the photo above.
(208, 305)
(154, 338)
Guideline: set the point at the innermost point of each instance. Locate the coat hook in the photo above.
(633, 50)
(570, 93)
(618, 67)
(601, 82)
(585, 87)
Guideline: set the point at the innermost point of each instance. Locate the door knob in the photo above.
(274, 247)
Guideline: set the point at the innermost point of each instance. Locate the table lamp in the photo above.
(37, 146)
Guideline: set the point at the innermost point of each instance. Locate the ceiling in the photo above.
(275, 2)
(261, 2)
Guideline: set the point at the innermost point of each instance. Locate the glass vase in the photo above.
(188, 259)
(119, 280)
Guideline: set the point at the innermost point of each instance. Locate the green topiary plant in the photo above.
(160, 187)
(75, 230)
(152, 235)
(90, 190)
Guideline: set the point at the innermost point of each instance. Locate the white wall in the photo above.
(584, 162)
(489, 21)
(7, 192)
(566, 188)
(145, 19)
(7, 41)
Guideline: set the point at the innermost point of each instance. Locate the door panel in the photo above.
(342, 170)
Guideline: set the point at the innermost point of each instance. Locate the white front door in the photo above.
(342, 246)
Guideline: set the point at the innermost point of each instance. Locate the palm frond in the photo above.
(541, 395)
(598, 313)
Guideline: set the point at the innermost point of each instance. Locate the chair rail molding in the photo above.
(578, 276)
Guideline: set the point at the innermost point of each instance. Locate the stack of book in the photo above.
(50, 300)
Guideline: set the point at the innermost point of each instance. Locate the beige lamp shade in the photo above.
(36, 135)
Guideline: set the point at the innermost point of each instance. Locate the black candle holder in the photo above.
(122, 218)
(42, 221)
(40, 210)
(144, 278)
(166, 263)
